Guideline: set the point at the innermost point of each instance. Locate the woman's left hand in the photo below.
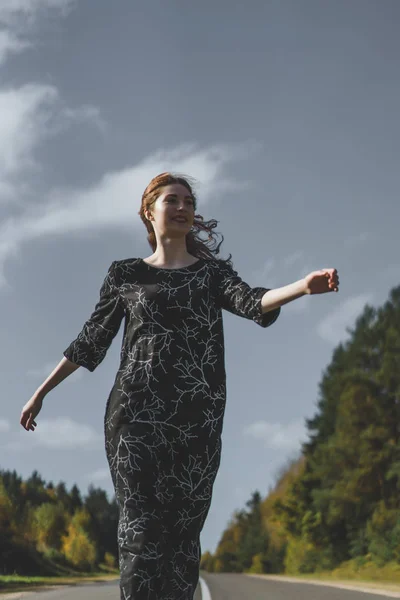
(320, 282)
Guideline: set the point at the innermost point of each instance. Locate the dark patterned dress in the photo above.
(164, 415)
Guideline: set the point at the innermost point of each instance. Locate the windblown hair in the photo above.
(195, 244)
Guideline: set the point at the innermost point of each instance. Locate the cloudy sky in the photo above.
(285, 111)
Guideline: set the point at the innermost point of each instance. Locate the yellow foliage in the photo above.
(275, 529)
(236, 533)
(6, 511)
(207, 562)
(367, 570)
(77, 548)
(218, 566)
(257, 564)
(301, 556)
(109, 560)
(52, 494)
(81, 519)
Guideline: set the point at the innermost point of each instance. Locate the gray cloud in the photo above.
(22, 14)
(10, 44)
(83, 210)
(278, 436)
(333, 327)
(61, 433)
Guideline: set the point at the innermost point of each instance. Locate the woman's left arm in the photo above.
(317, 282)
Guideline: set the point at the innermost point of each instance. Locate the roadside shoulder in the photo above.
(381, 589)
(29, 592)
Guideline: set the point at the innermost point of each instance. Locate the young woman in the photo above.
(164, 415)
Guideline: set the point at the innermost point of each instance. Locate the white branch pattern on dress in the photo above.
(164, 415)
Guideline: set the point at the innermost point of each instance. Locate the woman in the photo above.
(164, 415)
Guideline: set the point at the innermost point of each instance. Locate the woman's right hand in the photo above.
(30, 411)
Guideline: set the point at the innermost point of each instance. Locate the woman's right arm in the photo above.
(64, 368)
(87, 350)
(32, 408)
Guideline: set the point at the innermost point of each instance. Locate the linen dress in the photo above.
(164, 415)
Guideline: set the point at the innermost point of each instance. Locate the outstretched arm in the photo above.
(34, 405)
(317, 282)
(87, 350)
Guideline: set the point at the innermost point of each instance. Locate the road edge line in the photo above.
(205, 592)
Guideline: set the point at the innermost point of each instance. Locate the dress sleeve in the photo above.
(239, 298)
(92, 343)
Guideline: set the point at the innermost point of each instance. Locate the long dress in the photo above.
(164, 415)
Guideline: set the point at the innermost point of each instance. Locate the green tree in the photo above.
(225, 559)
(254, 540)
(207, 562)
(104, 521)
(352, 458)
(75, 499)
(49, 521)
(383, 533)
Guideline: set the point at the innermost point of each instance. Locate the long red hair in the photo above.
(195, 244)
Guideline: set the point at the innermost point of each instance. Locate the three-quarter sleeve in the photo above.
(239, 298)
(92, 343)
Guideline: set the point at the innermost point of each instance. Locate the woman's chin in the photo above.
(182, 227)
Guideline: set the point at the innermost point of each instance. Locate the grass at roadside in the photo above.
(358, 573)
(364, 570)
(17, 583)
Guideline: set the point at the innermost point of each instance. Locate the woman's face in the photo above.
(173, 211)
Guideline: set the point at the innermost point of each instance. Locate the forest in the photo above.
(48, 530)
(339, 501)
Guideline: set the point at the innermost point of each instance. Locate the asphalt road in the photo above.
(221, 587)
(241, 587)
(90, 591)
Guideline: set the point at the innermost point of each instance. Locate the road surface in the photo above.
(240, 587)
(221, 587)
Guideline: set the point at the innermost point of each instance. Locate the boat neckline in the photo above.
(188, 267)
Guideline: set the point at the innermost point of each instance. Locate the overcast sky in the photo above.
(287, 114)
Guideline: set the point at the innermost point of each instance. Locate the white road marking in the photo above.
(205, 592)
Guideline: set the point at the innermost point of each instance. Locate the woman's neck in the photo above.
(171, 255)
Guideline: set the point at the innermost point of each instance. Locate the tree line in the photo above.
(340, 500)
(47, 530)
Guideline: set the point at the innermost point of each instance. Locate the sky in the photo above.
(286, 114)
